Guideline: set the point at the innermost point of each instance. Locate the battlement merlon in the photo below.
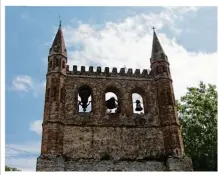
(106, 72)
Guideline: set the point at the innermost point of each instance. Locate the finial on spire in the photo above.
(157, 50)
(153, 28)
(58, 45)
(59, 20)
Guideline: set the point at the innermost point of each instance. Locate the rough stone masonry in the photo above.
(104, 141)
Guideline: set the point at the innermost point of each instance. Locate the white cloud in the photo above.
(22, 83)
(36, 126)
(129, 43)
(182, 9)
(25, 83)
(119, 41)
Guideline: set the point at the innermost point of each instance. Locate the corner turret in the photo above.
(166, 100)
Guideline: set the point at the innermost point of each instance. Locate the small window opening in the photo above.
(47, 94)
(56, 62)
(53, 65)
(166, 98)
(177, 152)
(56, 48)
(138, 107)
(50, 64)
(165, 69)
(163, 99)
(111, 103)
(63, 64)
(160, 69)
(169, 96)
(62, 95)
(85, 99)
(54, 93)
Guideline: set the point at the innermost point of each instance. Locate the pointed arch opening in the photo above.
(47, 95)
(50, 64)
(54, 93)
(111, 102)
(84, 99)
(56, 61)
(63, 64)
(138, 104)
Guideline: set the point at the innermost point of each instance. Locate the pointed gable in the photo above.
(157, 50)
(58, 46)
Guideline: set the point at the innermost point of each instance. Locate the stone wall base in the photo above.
(50, 163)
(109, 165)
(179, 164)
(55, 163)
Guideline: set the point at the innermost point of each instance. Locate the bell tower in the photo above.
(85, 131)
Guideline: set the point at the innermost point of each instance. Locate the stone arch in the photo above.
(116, 89)
(141, 92)
(111, 100)
(78, 85)
(138, 105)
(138, 90)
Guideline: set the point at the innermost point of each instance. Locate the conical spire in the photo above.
(157, 50)
(58, 46)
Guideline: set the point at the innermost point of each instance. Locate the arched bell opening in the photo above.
(111, 102)
(84, 99)
(138, 107)
(112, 96)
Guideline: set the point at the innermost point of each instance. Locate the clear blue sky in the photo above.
(187, 34)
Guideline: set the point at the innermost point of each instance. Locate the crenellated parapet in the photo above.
(106, 72)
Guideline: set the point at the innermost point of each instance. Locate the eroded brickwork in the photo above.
(102, 141)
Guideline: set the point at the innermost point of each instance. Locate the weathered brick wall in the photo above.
(119, 143)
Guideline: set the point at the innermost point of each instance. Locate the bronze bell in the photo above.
(84, 95)
(111, 103)
(138, 106)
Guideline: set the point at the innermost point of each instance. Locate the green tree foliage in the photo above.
(11, 169)
(198, 118)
